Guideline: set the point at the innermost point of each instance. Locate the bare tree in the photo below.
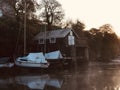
(52, 12)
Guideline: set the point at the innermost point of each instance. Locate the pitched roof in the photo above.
(61, 33)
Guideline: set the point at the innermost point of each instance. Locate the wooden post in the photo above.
(86, 54)
(75, 75)
(24, 27)
(73, 53)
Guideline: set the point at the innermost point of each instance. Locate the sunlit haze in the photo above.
(93, 13)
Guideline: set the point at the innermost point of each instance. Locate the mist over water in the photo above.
(91, 76)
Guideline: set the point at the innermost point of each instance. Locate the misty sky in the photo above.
(93, 13)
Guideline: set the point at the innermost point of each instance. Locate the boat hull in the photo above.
(31, 65)
(6, 65)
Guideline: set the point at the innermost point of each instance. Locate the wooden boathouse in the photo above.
(71, 45)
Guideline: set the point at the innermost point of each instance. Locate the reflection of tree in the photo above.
(37, 82)
(96, 76)
(101, 78)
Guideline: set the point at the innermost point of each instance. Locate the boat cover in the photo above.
(54, 55)
(35, 57)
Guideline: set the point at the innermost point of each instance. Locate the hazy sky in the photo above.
(93, 13)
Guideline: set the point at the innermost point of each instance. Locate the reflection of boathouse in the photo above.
(65, 40)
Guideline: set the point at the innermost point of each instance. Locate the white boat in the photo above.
(8, 65)
(55, 59)
(32, 60)
(54, 56)
(4, 62)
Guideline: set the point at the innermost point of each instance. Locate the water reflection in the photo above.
(40, 82)
(33, 82)
(103, 76)
(93, 76)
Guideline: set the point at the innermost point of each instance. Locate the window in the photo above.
(71, 40)
(41, 41)
(52, 40)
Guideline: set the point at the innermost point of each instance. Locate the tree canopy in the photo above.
(17, 8)
(103, 43)
(77, 26)
(51, 12)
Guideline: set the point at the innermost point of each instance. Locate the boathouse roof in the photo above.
(60, 33)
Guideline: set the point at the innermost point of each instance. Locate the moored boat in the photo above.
(5, 62)
(33, 60)
(55, 58)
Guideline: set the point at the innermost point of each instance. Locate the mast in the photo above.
(45, 40)
(24, 27)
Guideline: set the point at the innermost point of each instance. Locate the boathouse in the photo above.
(67, 41)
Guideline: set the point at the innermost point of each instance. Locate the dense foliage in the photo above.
(103, 43)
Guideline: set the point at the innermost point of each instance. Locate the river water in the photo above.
(91, 76)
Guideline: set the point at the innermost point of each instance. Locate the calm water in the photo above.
(93, 76)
